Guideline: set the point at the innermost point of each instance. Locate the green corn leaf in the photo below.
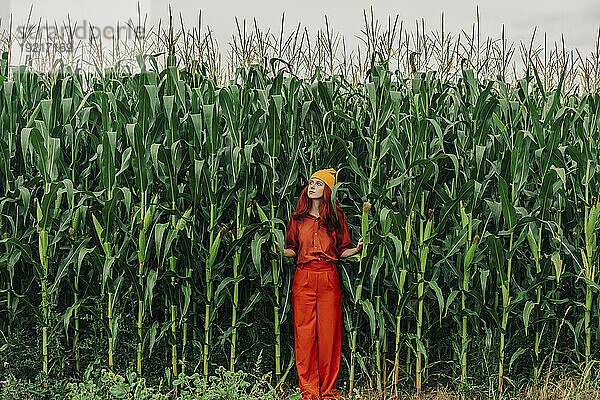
(497, 256)
(368, 309)
(529, 305)
(508, 209)
(440, 298)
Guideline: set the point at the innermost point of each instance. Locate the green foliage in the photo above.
(112, 386)
(227, 385)
(16, 389)
(106, 385)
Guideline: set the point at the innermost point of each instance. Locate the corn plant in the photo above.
(242, 127)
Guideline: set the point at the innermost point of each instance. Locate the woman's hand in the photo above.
(286, 252)
(359, 245)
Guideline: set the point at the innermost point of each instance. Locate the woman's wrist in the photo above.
(289, 253)
(349, 252)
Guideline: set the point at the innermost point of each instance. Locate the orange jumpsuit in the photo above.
(317, 304)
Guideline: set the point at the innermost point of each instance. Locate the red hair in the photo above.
(325, 210)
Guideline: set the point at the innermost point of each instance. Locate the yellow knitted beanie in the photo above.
(326, 175)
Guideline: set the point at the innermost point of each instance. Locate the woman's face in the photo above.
(315, 188)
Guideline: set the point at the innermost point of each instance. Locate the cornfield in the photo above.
(138, 211)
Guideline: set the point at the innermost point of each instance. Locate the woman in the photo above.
(318, 240)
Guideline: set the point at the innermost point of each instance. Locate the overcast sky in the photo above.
(579, 20)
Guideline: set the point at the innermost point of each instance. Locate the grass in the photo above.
(561, 386)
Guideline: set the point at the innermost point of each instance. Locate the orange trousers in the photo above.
(317, 307)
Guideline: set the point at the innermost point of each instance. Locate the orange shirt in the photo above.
(311, 240)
